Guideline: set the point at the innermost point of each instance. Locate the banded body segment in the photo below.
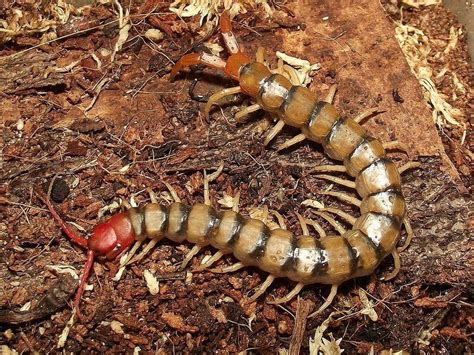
(177, 221)
(382, 230)
(310, 260)
(278, 255)
(250, 242)
(137, 219)
(252, 76)
(379, 176)
(368, 253)
(224, 236)
(367, 152)
(273, 92)
(343, 138)
(341, 261)
(389, 202)
(201, 222)
(156, 220)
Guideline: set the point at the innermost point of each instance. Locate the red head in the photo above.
(112, 237)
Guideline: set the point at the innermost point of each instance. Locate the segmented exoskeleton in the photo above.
(331, 259)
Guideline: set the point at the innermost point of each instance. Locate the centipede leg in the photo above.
(235, 206)
(172, 191)
(280, 219)
(327, 303)
(395, 145)
(151, 244)
(219, 95)
(329, 169)
(260, 55)
(210, 261)
(409, 229)
(189, 256)
(295, 140)
(321, 232)
(331, 94)
(230, 268)
(340, 213)
(274, 131)
(343, 197)
(246, 111)
(299, 286)
(408, 166)
(304, 226)
(365, 114)
(396, 266)
(336, 180)
(262, 288)
(131, 253)
(340, 229)
(152, 195)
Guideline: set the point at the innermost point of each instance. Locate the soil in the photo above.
(106, 131)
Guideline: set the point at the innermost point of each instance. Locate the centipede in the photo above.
(329, 259)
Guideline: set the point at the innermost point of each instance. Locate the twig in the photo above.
(302, 311)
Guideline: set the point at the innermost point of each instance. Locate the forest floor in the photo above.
(107, 125)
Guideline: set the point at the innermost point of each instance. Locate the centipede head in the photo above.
(109, 239)
(112, 237)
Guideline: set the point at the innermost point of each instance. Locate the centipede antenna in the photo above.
(304, 226)
(340, 229)
(343, 197)
(321, 232)
(409, 165)
(395, 145)
(295, 140)
(246, 111)
(189, 256)
(327, 303)
(409, 229)
(329, 169)
(79, 240)
(230, 268)
(365, 114)
(274, 131)
(396, 266)
(340, 213)
(299, 286)
(262, 288)
(218, 96)
(336, 180)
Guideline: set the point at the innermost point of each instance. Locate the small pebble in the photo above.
(60, 191)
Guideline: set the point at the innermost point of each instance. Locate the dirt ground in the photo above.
(109, 130)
